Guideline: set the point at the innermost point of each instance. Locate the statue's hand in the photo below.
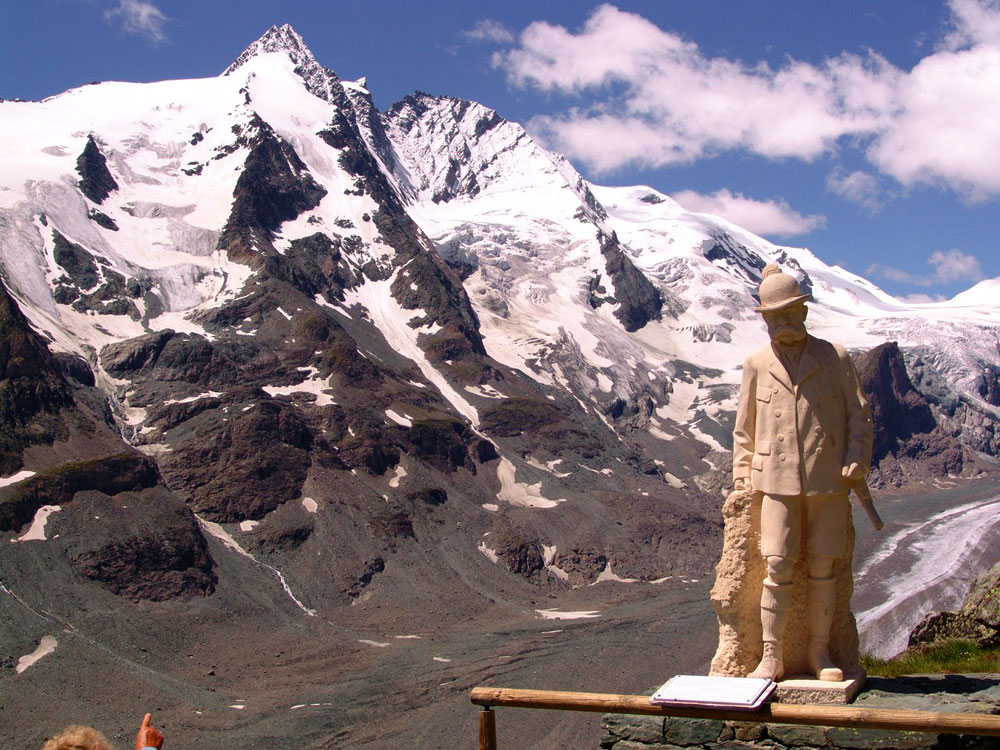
(741, 484)
(853, 472)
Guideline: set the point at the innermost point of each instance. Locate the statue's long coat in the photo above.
(795, 439)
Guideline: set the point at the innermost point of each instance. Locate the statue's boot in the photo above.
(771, 665)
(774, 602)
(822, 598)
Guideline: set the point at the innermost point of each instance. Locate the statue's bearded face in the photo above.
(787, 326)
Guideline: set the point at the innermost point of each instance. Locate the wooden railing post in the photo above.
(487, 729)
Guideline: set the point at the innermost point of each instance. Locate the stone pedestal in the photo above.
(804, 690)
(739, 578)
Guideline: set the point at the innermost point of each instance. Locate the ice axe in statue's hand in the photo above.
(864, 496)
(855, 475)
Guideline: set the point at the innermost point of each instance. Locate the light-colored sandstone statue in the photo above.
(802, 439)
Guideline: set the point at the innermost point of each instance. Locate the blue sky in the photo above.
(868, 132)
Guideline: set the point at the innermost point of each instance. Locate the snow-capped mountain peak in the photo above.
(320, 81)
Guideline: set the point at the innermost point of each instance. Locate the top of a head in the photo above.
(778, 290)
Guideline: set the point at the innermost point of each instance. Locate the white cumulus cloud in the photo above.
(650, 98)
(858, 187)
(489, 30)
(947, 267)
(140, 18)
(768, 218)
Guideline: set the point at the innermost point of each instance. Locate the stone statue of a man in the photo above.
(802, 438)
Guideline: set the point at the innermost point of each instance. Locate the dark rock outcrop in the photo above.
(168, 356)
(520, 556)
(908, 440)
(639, 302)
(282, 537)
(102, 219)
(32, 392)
(428, 283)
(314, 265)
(242, 467)
(370, 569)
(988, 386)
(90, 284)
(96, 181)
(110, 475)
(432, 496)
(899, 411)
(978, 620)
(512, 416)
(724, 250)
(275, 186)
(392, 525)
(442, 443)
(155, 554)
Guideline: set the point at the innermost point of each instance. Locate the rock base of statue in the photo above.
(739, 578)
(802, 690)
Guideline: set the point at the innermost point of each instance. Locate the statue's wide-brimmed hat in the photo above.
(778, 290)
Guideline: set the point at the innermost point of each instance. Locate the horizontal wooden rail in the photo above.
(779, 713)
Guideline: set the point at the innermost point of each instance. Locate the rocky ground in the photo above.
(246, 667)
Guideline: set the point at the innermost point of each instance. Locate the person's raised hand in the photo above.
(148, 736)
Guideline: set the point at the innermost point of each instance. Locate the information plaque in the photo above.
(746, 693)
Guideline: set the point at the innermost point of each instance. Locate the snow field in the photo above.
(46, 646)
(36, 532)
(518, 493)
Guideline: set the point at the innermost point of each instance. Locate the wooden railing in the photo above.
(780, 713)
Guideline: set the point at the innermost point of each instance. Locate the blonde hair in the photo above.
(78, 738)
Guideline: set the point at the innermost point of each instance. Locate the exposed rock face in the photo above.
(983, 601)
(319, 81)
(167, 356)
(988, 386)
(110, 475)
(96, 181)
(978, 619)
(908, 439)
(898, 411)
(149, 545)
(245, 467)
(90, 284)
(639, 301)
(443, 443)
(736, 594)
(156, 554)
(275, 186)
(518, 552)
(32, 394)
(427, 284)
(119, 527)
(725, 250)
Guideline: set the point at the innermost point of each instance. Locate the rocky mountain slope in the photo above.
(273, 361)
(978, 619)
